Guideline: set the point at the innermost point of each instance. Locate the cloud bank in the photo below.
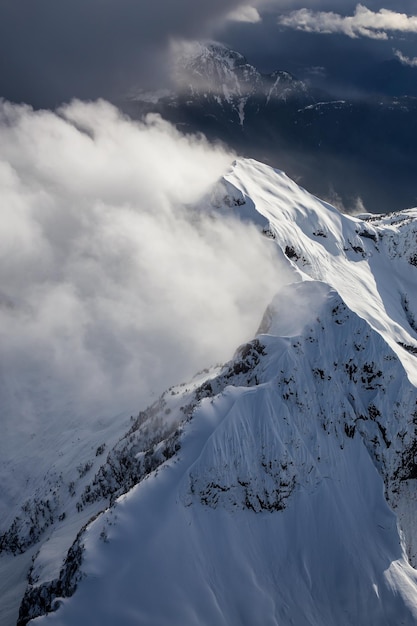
(112, 286)
(363, 23)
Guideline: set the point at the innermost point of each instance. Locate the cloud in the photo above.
(405, 60)
(113, 286)
(363, 23)
(245, 13)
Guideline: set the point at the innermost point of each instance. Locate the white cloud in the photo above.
(363, 23)
(244, 13)
(111, 285)
(410, 61)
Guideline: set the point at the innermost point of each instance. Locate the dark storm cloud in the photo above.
(52, 51)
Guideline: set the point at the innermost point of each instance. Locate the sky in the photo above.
(51, 52)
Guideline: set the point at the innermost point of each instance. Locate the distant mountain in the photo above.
(352, 151)
(214, 72)
(212, 82)
(279, 488)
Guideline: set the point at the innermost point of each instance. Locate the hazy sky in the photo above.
(52, 51)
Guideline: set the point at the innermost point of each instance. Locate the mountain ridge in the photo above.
(285, 459)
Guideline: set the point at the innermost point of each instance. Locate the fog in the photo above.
(113, 286)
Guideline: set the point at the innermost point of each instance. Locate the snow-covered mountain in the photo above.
(278, 488)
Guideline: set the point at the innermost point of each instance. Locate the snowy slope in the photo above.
(371, 262)
(278, 489)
